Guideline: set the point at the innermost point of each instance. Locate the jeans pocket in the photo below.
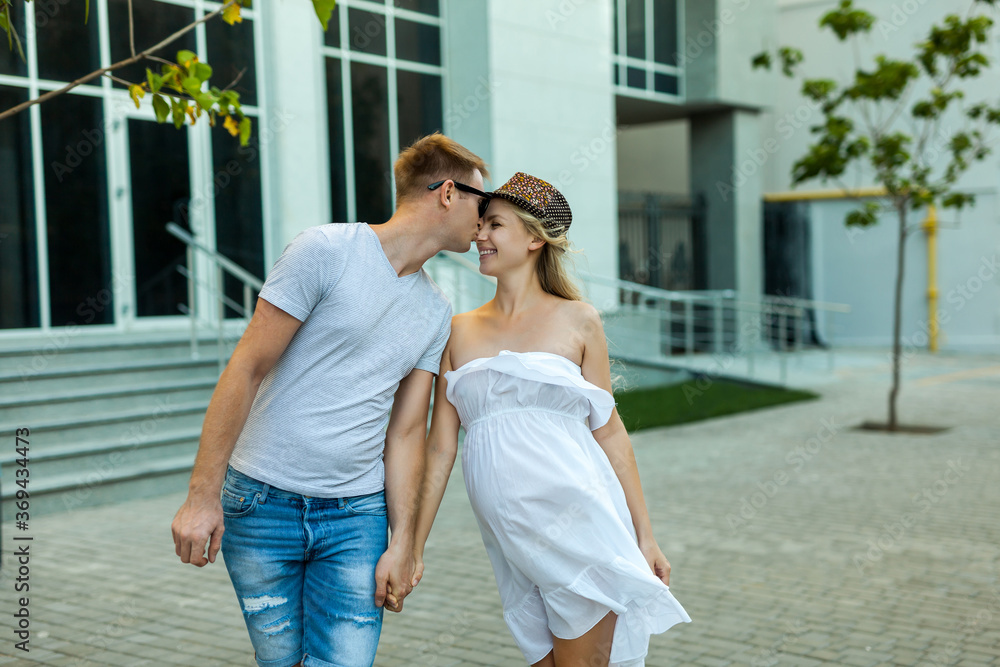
(373, 504)
(236, 503)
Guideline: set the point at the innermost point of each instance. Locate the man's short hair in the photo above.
(430, 159)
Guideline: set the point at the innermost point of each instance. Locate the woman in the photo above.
(558, 499)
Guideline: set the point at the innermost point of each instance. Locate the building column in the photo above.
(295, 130)
(726, 170)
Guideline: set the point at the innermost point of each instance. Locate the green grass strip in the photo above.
(693, 401)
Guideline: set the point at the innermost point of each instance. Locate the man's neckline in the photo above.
(385, 258)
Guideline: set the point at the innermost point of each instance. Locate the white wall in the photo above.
(861, 273)
(553, 111)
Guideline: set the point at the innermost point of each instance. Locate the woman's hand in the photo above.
(658, 563)
(418, 570)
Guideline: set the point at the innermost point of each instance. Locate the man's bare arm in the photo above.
(199, 521)
(404, 464)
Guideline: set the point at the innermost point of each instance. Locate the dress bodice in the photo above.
(520, 382)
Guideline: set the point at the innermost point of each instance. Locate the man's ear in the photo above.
(445, 194)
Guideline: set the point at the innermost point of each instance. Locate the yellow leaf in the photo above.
(231, 14)
(136, 92)
(190, 113)
(231, 125)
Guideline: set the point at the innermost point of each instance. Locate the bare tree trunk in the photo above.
(897, 314)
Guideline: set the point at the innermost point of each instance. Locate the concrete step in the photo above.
(126, 482)
(82, 402)
(162, 414)
(55, 351)
(94, 461)
(113, 416)
(54, 382)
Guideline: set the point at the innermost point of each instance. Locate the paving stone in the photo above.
(798, 579)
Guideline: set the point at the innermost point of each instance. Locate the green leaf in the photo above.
(86, 11)
(845, 21)
(958, 200)
(154, 80)
(160, 108)
(790, 58)
(12, 38)
(244, 131)
(177, 111)
(864, 217)
(202, 71)
(324, 10)
(889, 80)
(818, 89)
(185, 57)
(761, 60)
(205, 100)
(191, 85)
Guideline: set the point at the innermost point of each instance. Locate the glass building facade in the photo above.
(88, 182)
(384, 90)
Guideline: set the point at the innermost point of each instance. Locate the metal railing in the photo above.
(213, 313)
(460, 279)
(672, 325)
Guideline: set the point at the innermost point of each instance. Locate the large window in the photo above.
(646, 49)
(88, 182)
(384, 90)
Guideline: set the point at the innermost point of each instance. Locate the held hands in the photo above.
(658, 563)
(197, 524)
(395, 576)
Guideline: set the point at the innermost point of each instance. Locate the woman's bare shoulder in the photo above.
(463, 327)
(578, 314)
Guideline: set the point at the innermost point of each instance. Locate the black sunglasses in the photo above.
(483, 203)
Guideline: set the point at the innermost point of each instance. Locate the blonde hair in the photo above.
(552, 271)
(430, 159)
(555, 279)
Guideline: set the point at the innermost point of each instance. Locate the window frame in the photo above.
(622, 62)
(346, 56)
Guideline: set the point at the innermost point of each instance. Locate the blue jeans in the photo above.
(304, 572)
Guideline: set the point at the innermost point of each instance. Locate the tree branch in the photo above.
(237, 79)
(131, 30)
(110, 68)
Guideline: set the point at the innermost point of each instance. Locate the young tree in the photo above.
(887, 123)
(181, 90)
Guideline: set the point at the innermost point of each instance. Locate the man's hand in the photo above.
(197, 524)
(394, 577)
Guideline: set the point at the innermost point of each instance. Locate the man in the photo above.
(347, 325)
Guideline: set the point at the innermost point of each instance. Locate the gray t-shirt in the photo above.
(317, 424)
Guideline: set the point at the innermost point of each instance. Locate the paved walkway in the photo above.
(794, 539)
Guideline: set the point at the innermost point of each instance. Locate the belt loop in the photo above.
(263, 492)
(340, 503)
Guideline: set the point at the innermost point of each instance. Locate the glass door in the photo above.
(160, 188)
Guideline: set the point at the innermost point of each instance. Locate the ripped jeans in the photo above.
(304, 572)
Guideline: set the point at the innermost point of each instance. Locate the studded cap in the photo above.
(538, 198)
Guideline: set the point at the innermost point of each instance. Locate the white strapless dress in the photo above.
(550, 508)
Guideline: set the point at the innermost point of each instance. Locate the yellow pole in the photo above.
(812, 195)
(930, 228)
